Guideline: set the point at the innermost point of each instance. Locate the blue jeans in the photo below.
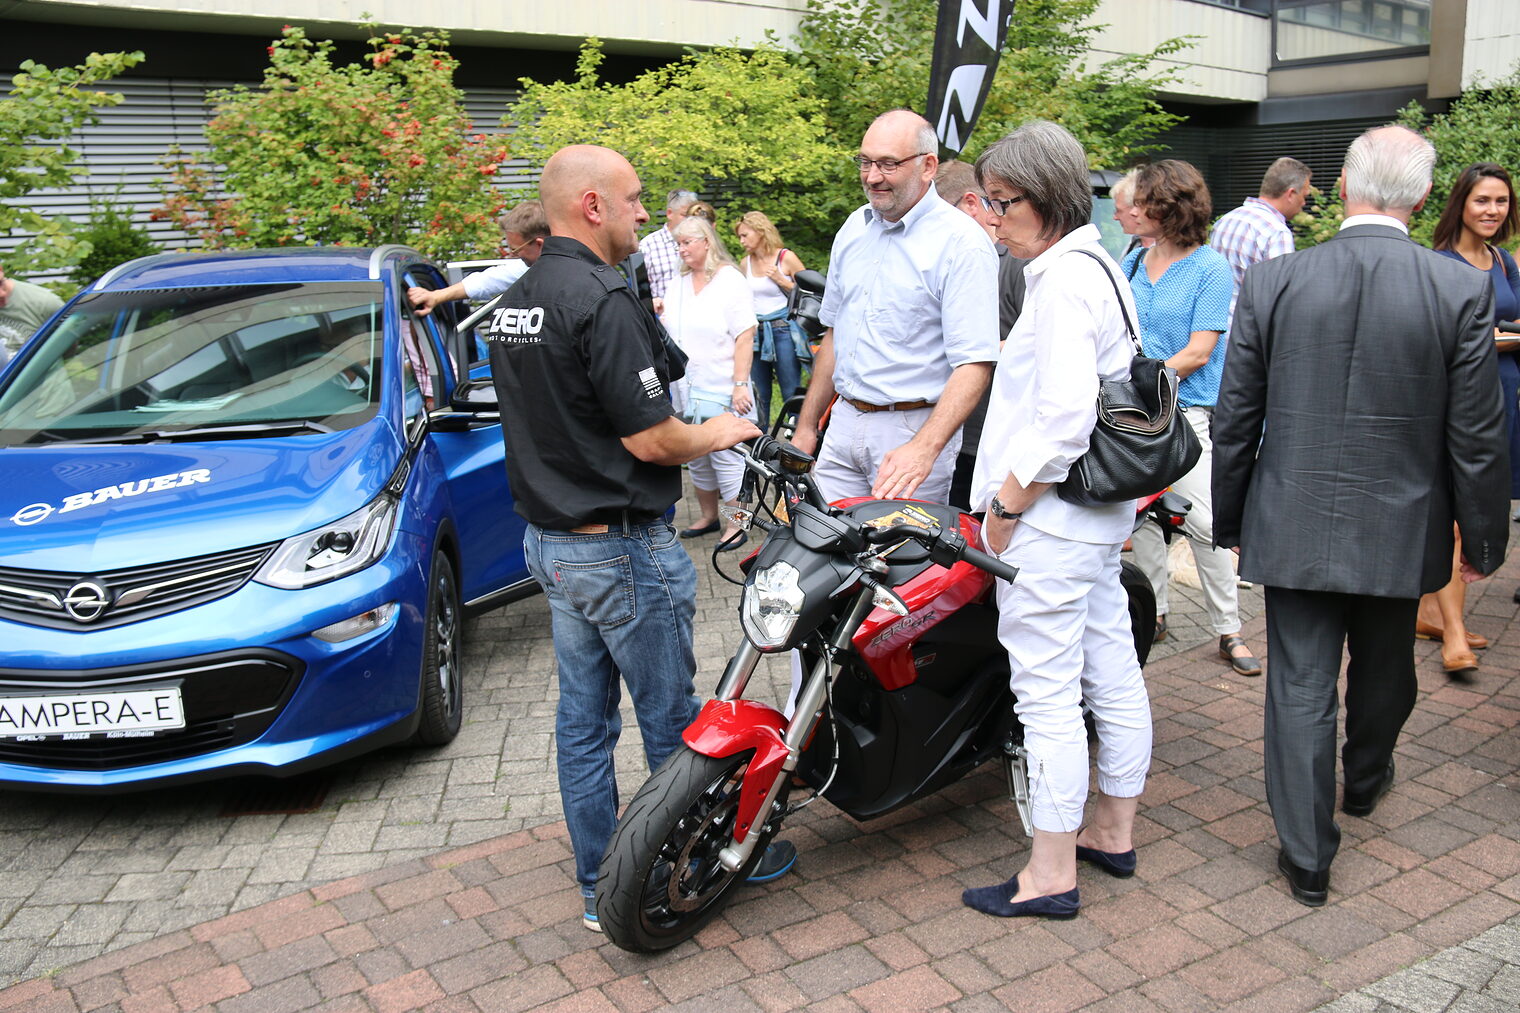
(621, 604)
(786, 368)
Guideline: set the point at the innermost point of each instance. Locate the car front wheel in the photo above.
(442, 697)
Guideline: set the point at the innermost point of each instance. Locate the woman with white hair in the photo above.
(710, 314)
(1065, 620)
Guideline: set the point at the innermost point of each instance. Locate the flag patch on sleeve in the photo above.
(651, 383)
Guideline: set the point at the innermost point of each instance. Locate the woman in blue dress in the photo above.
(1480, 214)
(1182, 293)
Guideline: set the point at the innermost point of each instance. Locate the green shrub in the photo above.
(113, 240)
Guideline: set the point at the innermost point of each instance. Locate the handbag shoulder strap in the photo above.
(1129, 325)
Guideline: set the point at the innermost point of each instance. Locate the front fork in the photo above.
(798, 730)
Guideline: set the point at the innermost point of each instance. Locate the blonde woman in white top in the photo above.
(770, 268)
(710, 314)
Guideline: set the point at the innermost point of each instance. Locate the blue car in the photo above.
(246, 501)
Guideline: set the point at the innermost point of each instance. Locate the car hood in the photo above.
(86, 509)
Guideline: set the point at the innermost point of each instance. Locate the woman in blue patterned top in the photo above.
(1182, 293)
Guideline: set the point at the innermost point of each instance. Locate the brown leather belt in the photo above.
(900, 406)
(590, 529)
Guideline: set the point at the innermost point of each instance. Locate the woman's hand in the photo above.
(781, 279)
(743, 399)
(659, 307)
(997, 533)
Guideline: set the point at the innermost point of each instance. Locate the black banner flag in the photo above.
(967, 43)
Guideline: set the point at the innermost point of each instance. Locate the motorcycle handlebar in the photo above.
(945, 547)
(1508, 326)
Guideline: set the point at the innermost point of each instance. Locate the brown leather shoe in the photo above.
(1461, 667)
(1425, 631)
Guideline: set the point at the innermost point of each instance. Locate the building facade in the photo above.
(1264, 77)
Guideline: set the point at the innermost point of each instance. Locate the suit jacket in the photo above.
(1360, 413)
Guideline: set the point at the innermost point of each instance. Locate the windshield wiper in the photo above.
(231, 430)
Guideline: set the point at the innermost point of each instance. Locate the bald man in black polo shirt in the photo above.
(593, 455)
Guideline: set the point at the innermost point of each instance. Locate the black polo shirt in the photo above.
(578, 364)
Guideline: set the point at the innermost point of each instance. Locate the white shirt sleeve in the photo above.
(493, 281)
(738, 302)
(969, 311)
(1066, 368)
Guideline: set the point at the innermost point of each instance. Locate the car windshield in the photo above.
(201, 363)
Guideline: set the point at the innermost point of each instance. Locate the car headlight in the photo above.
(334, 550)
(772, 601)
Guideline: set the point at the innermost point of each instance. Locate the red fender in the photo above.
(728, 727)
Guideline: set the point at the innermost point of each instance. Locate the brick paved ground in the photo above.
(870, 920)
(82, 876)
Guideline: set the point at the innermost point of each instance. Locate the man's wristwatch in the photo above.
(997, 509)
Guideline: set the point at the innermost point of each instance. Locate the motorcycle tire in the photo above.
(1142, 608)
(660, 880)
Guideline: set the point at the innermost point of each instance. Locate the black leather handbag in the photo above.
(1141, 443)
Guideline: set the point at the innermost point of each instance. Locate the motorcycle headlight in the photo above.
(334, 550)
(772, 601)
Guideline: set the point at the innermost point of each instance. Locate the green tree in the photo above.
(739, 128)
(1479, 127)
(113, 240)
(44, 108)
(867, 56)
(357, 154)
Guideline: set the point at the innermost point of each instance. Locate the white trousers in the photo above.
(1216, 568)
(856, 442)
(1065, 625)
(722, 470)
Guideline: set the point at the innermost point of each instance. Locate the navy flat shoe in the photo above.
(993, 900)
(1119, 864)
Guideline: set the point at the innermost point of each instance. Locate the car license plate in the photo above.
(86, 715)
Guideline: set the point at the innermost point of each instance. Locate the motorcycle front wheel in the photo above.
(661, 880)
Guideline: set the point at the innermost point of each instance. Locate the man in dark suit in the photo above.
(1359, 416)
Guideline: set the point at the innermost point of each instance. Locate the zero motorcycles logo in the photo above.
(515, 323)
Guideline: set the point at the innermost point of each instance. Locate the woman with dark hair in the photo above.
(780, 346)
(1182, 290)
(1480, 214)
(1065, 621)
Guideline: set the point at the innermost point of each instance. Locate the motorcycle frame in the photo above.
(728, 725)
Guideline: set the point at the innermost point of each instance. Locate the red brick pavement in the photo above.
(871, 919)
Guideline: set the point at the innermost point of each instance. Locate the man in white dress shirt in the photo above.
(524, 228)
(911, 307)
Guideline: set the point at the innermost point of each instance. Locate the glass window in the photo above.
(1328, 29)
(166, 362)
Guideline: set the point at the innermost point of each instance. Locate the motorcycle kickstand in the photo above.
(1016, 766)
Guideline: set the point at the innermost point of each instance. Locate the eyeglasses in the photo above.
(1000, 207)
(886, 165)
(517, 250)
(688, 240)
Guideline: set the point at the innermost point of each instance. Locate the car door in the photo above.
(469, 443)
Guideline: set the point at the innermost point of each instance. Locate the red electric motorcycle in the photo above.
(905, 690)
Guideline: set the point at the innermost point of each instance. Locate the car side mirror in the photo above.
(474, 396)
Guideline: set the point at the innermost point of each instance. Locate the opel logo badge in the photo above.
(87, 601)
(32, 513)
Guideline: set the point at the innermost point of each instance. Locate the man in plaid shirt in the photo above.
(1258, 229)
(661, 259)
